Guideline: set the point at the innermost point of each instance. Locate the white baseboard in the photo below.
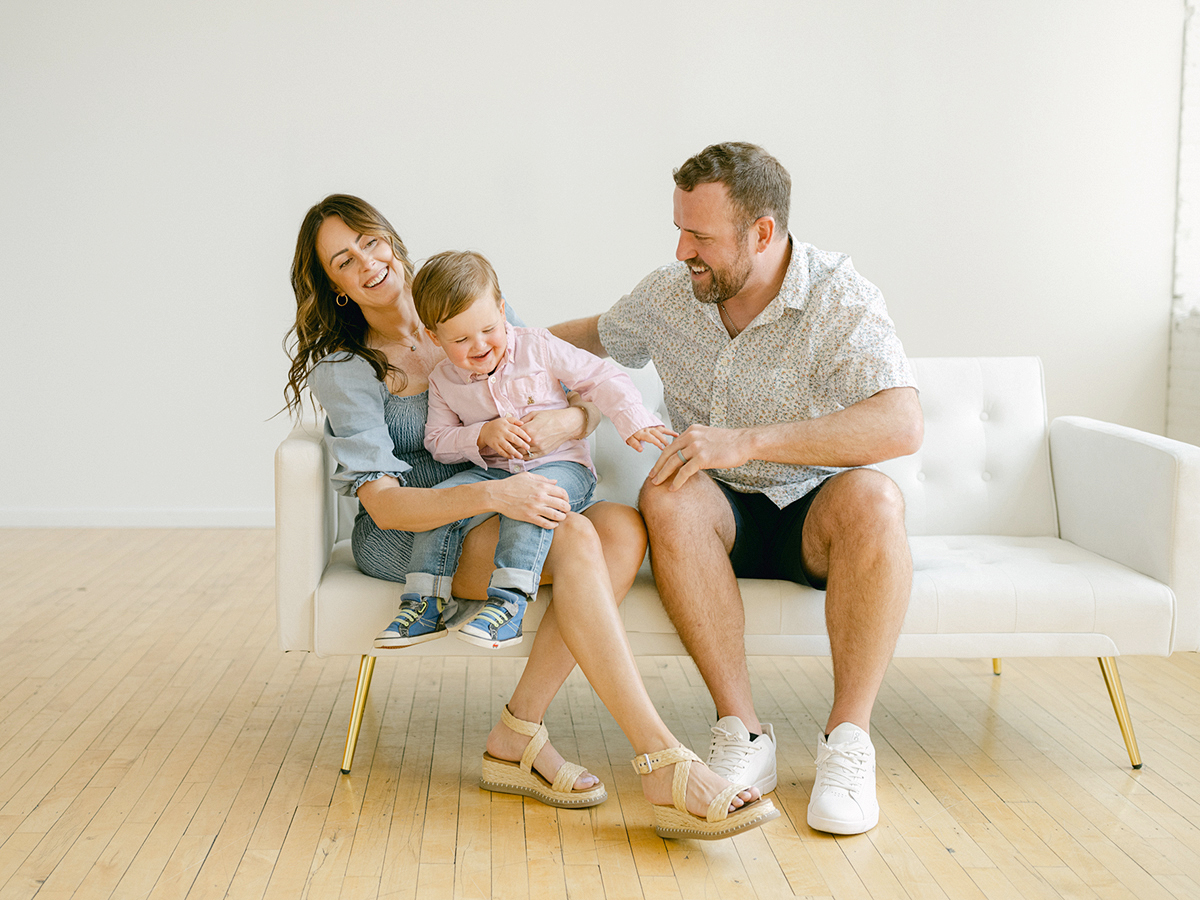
(133, 517)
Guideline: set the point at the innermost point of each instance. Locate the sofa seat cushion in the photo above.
(972, 596)
(977, 583)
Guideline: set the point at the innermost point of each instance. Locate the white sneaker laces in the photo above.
(728, 752)
(844, 766)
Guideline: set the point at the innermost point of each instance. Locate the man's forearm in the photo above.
(884, 426)
(584, 333)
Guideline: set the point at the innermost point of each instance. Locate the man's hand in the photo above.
(700, 447)
(658, 435)
(505, 437)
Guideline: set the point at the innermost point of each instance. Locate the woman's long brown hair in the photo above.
(322, 327)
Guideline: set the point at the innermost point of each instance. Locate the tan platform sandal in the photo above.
(677, 822)
(506, 777)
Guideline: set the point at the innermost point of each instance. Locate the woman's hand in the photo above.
(529, 497)
(550, 428)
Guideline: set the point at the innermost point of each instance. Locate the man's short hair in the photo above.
(449, 283)
(758, 185)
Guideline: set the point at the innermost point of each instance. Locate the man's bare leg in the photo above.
(691, 533)
(854, 537)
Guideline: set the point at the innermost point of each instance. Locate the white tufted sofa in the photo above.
(1076, 538)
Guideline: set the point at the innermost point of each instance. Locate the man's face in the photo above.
(719, 258)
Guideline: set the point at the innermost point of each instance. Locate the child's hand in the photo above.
(505, 437)
(658, 435)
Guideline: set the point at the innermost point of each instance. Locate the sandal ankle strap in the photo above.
(682, 758)
(648, 762)
(535, 731)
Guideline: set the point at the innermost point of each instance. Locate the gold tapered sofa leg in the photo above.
(366, 667)
(1112, 679)
(996, 665)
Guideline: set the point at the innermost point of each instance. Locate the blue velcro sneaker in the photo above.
(419, 620)
(497, 625)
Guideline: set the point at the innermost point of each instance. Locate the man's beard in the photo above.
(724, 283)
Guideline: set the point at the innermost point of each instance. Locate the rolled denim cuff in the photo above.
(428, 585)
(516, 580)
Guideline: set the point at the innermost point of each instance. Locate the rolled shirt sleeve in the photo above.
(356, 431)
(866, 356)
(624, 328)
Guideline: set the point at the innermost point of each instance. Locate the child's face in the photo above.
(476, 338)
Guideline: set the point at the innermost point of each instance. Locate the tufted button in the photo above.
(983, 417)
(920, 476)
(987, 476)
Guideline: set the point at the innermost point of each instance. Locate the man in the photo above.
(783, 372)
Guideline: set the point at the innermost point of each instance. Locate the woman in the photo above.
(361, 349)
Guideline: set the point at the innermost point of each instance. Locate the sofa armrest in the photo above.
(305, 518)
(1134, 498)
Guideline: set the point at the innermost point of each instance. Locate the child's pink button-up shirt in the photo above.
(526, 381)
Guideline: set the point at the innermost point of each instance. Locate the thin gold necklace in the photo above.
(732, 324)
(411, 340)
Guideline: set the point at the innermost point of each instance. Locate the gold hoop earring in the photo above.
(342, 300)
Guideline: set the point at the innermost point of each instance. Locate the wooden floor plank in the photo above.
(155, 743)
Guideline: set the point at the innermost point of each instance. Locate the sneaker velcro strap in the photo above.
(410, 611)
(495, 615)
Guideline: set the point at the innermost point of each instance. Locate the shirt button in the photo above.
(920, 476)
(987, 476)
(983, 417)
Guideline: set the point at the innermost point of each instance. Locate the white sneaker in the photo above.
(737, 759)
(843, 798)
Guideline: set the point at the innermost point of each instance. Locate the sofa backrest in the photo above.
(984, 467)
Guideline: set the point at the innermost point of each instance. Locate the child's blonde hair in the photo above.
(451, 281)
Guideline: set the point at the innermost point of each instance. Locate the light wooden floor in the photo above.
(154, 742)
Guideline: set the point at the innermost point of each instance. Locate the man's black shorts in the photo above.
(768, 538)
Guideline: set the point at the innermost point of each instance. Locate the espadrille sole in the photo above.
(671, 823)
(505, 777)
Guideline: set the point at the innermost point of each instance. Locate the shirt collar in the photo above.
(794, 290)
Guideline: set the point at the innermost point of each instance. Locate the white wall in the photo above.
(1183, 379)
(1004, 171)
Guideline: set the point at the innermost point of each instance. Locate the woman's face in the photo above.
(361, 266)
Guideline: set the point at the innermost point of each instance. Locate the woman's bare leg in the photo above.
(590, 627)
(623, 539)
